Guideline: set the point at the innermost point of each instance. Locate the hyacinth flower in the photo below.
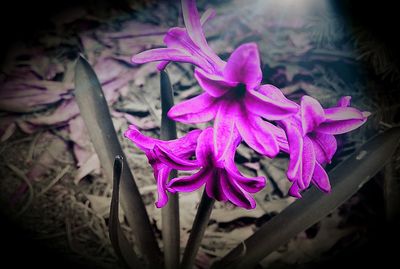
(311, 141)
(222, 179)
(164, 156)
(232, 96)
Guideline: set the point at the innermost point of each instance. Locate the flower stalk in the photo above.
(170, 212)
(198, 229)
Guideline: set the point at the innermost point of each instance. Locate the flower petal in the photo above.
(274, 93)
(184, 146)
(209, 14)
(188, 183)
(142, 141)
(344, 101)
(201, 108)
(258, 134)
(295, 140)
(308, 161)
(243, 66)
(162, 179)
(191, 18)
(341, 120)
(312, 114)
(225, 133)
(204, 149)
(267, 107)
(163, 54)
(193, 25)
(249, 184)
(214, 85)
(178, 38)
(214, 187)
(173, 161)
(320, 178)
(236, 194)
(294, 190)
(325, 146)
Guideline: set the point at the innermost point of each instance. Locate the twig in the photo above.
(54, 181)
(170, 212)
(21, 174)
(31, 150)
(198, 229)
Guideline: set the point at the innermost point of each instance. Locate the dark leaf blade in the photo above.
(96, 115)
(120, 243)
(346, 178)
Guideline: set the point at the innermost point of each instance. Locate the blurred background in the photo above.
(54, 200)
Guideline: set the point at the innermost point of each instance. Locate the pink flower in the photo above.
(233, 96)
(164, 156)
(222, 179)
(311, 140)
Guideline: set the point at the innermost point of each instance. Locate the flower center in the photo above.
(238, 92)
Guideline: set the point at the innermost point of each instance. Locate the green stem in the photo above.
(170, 212)
(198, 229)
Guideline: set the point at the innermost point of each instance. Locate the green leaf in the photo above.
(346, 179)
(121, 245)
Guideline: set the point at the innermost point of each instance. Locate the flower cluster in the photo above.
(241, 110)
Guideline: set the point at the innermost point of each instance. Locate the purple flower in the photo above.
(164, 156)
(222, 179)
(311, 140)
(242, 110)
(186, 45)
(233, 96)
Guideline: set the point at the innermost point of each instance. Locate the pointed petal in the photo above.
(312, 114)
(185, 146)
(214, 85)
(294, 190)
(321, 179)
(267, 107)
(173, 161)
(274, 93)
(344, 101)
(162, 179)
(162, 54)
(342, 113)
(204, 149)
(214, 187)
(178, 38)
(193, 25)
(192, 22)
(249, 184)
(325, 146)
(188, 183)
(308, 161)
(142, 141)
(236, 194)
(281, 138)
(243, 66)
(201, 108)
(295, 140)
(258, 134)
(341, 120)
(209, 14)
(225, 132)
